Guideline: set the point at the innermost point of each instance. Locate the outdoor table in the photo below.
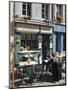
(26, 62)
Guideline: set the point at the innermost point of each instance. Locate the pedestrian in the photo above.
(56, 71)
(45, 61)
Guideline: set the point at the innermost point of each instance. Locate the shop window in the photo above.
(26, 9)
(29, 41)
(45, 11)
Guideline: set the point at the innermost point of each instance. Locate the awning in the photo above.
(33, 29)
(29, 30)
(46, 30)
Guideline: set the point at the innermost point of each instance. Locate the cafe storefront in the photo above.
(32, 41)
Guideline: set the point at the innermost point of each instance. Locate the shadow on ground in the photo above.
(46, 78)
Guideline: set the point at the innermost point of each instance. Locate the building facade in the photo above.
(38, 26)
(59, 32)
(36, 29)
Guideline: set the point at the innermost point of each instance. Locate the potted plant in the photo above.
(27, 18)
(17, 41)
(59, 18)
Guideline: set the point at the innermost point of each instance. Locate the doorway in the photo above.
(45, 45)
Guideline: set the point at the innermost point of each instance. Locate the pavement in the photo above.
(46, 81)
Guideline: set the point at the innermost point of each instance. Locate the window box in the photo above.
(27, 18)
(59, 18)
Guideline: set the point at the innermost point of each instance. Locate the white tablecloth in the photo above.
(26, 63)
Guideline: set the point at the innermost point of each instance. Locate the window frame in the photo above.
(33, 38)
(26, 9)
(57, 42)
(47, 17)
(59, 9)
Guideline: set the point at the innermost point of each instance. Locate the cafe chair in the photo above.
(38, 71)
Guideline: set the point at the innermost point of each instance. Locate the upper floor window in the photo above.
(45, 11)
(52, 12)
(59, 10)
(26, 9)
(43, 14)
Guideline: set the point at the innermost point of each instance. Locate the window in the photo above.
(29, 40)
(43, 14)
(52, 10)
(59, 10)
(45, 11)
(26, 9)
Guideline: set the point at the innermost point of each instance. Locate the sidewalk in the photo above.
(45, 82)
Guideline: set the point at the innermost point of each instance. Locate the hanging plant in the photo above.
(21, 48)
(17, 41)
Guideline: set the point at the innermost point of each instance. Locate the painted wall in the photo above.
(11, 23)
(58, 29)
(18, 45)
(64, 14)
(18, 9)
(11, 32)
(54, 42)
(37, 11)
